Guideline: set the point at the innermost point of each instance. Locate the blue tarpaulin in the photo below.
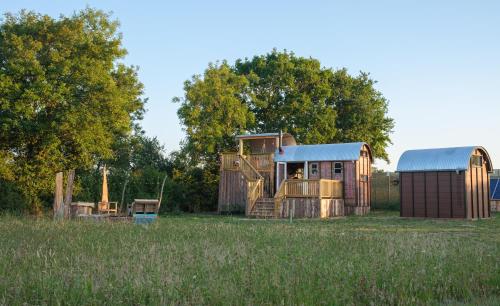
(144, 218)
(495, 189)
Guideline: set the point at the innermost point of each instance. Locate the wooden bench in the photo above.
(107, 207)
(145, 211)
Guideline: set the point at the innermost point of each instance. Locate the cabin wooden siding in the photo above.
(356, 178)
(311, 208)
(446, 194)
(232, 191)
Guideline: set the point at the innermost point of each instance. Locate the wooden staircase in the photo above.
(263, 208)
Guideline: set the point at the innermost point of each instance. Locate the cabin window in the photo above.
(477, 161)
(363, 153)
(314, 169)
(363, 178)
(337, 168)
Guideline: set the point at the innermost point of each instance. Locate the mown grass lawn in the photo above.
(377, 259)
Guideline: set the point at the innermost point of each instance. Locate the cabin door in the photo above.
(280, 174)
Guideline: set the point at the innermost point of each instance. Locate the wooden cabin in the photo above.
(445, 183)
(272, 176)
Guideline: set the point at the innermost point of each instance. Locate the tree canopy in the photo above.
(65, 97)
(281, 91)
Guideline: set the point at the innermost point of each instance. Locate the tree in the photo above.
(64, 97)
(292, 94)
(213, 111)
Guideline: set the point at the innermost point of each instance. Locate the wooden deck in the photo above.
(309, 198)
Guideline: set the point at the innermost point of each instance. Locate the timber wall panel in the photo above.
(458, 194)
(419, 194)
(479, 192)
(356, 183)
(473, 186)
(326, 170)
(444, 193)
(301, 208)
(406, 195)
(349, 183)
(431, 194)
(468, 194)
(232, 191)
(486, 198)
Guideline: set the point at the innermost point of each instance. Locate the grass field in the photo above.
(378, 259)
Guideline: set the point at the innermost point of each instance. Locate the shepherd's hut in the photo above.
(271, 176)
(445, 183)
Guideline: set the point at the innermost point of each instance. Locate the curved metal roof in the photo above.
(320, 152)
(441, 159)
(262, 135)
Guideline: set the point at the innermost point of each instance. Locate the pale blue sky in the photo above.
(438, 62)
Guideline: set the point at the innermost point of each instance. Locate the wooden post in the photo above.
(240, 148)
(58, 197)
(68, 197)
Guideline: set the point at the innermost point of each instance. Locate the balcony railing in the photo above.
(261, 162)
(321, 188)
(230, 161)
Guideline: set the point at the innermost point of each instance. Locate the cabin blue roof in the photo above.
(442, 159)
(320, 152)
(495, 189)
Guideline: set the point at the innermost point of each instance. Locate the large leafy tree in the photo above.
(292, 94)
(280, 91)
(65, 98)
(213, 111)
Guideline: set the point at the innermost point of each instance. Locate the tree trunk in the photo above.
(58, 197)
(69, 193)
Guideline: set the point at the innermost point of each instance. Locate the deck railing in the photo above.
(230, 161)
(248, 170)
(255, 190)
(262, 162)
(322, 189)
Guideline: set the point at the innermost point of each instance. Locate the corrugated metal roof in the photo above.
(442, 159)
(320, 152)
(261, 135)
(495, 189)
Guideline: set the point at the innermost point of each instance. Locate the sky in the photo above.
(437, 62)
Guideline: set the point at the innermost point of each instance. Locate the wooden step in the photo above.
(264, 208)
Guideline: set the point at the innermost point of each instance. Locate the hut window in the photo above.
(337, 168)
(364, 178)
(363, 154)
(314, 168)
(477, 161)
